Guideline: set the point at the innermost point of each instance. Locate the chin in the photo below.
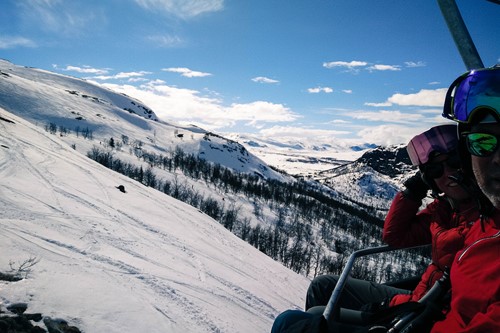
(493, 197)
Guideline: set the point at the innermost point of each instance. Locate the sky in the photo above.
(323, 70)
(139, 261)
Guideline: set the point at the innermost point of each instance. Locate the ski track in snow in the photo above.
(63, 224)
(109, 214)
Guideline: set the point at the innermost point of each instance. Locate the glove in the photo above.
(416, 188)
(375, 307)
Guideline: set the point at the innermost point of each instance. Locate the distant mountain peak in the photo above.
(390, 161)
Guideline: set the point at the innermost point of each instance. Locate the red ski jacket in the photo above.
(475, 280)
(406, 226)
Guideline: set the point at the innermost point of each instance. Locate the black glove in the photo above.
(416, 188)
(375, 307)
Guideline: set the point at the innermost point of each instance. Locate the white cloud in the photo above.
(68, 18)
(350, 65)
(394, 134)
(261, 111)
(317, 90)
(385, 116)
(190, 106)
(347, 91)
(121, 75)
(137, 79)
(437, 111)
(384, 68)
(295, 132)
(412, 64)
(338, 121)
(263, 79)
(186, 72)
(7, 42)
(384, 104)
(84, 69)
(166, 40)
(424, 97)
(355, 66)
(390, 134)
(182, 8)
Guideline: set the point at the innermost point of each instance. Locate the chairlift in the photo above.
(334, 314)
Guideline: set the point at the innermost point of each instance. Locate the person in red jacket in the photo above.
(445, 221)
(473, 100)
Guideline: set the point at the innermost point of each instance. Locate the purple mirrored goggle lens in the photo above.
(440, 139)
(478, 89)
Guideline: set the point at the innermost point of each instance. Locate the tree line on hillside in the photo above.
(299, 207)
(305, 234)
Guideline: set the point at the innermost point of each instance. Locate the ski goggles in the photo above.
(473, 91)
(481, 144)
(436, 170)
(438, 139)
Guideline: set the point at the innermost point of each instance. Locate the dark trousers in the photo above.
(355, 294)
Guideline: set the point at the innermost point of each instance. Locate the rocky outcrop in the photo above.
(14, 319)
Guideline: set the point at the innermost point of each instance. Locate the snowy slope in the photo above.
(138, 261)
(43, 97)
(371, 180)
(299, 156)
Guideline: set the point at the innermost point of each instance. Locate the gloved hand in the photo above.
(375, 307)
(416, 188)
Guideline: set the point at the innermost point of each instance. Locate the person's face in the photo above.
(446, 184)
(487, 169)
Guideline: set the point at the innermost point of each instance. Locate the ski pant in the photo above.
(355, 294)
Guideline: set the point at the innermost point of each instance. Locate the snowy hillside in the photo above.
(299, 158)
(110, 261)
(373, 179)
(43, 97)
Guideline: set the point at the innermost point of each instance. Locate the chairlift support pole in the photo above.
(460, 34)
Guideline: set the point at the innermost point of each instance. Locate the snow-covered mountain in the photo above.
(299, 158)
(373, 179)
(44, 97)
(143, 256)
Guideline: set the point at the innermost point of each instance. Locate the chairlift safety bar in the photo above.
(332, 309)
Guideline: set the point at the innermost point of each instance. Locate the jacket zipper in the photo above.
(476, 242)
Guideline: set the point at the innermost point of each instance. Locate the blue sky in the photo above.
(320, 70)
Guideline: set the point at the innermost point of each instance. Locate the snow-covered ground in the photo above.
(300, 156)
(138, 261)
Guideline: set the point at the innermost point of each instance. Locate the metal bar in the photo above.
(460, 34)
(332, 309)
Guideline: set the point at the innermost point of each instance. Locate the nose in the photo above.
(449, 170)
(496, 157)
